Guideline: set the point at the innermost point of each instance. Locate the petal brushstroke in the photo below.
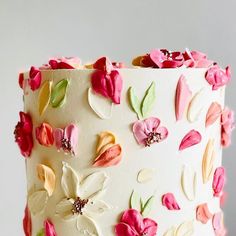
(192, 138)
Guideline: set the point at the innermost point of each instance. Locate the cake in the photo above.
(125, 151)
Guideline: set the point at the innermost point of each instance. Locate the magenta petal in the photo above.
(58, 136)
(35, 78)
(150, 227)
(218, 181)
(134, 219)
(49, 228)
(192, 138)
(103, 64)
(27, 222)
(124, 230)
(71, 133)
(182, 97)
(117, 86)
(151, 124)
(99, 84)
(168, 200)
(139, 130)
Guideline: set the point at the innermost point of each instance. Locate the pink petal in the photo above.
(213, 113)
(111, 157)
(151, 124)
(71, 133)
(169, 201)
(157, 57)
(150, 227)
(122, 229)
(58, 136)
(117, 84)
(203, 214)
(103, 64)
(192, 138)
(218, 224)
(218, 181)
(139, 130)
(163, 131)
(49, 228)
(35, 78)
(182, 97)
(27, 222)
(134, 219)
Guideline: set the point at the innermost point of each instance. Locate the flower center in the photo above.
(78, 205)
(153, 137)
(66, 145)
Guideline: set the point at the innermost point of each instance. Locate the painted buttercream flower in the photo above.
(23, 134)
(196, 59)
(132, 223)
(149, 131)
(64, 63)
(218, 77)
(227, 126)
(82, 198)
(160, 58)
(48, 229)
(44, 134)
(67, 139)
(106, 80)
(27, 222)
(218, 181)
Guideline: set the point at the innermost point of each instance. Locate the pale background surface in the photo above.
(32, 31)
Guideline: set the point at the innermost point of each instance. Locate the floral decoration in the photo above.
(169, 201)
(184, 229)
(48, 229)
(149, 131)
(27, 222)
(213, 113)
(108, 152)
(218, 224)
(23, 134)
(44, 135)
(35, 78)
(218, 77)
(81, 201)
(192, 138)
(64, 63)
(227, 126)
(67, 139)
(132, 223)
(106, 80)
(218, 181)
(203, 214)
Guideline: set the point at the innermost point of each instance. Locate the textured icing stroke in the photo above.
(184, 229)
(169, 201)
(182, 97)
(87, 227)
(44, 96)
(197, 104)
(208, 161)
(145, 175)
(100, 105)
(213, 113)
(188, 182)
(192, 138)
(203, 214)
(108, 152)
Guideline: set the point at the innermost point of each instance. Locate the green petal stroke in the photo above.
(147, 207)
(58, 96)
(135, 103)
(149, 100)
(41, 233)
(135, 201)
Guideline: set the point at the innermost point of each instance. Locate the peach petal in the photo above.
(213, 113)
(203, 214)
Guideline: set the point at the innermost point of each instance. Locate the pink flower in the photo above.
(107, 81)
(133, 224)
(35, 78)
(27, 222)
(67, 139)
(64, 63)
(227, 126)
(149, 131)
(218, 181)
(49, 228)
(218, 77)
(160, 58)
(44, 134)
(23, 134)
(196, 59)
(169, 201)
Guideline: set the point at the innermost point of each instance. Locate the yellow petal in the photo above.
(44, 96)
(47, 176)
(104, 139)
(208, 161)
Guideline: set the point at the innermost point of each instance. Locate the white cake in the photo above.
(139, 155)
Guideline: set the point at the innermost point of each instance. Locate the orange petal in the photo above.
(104, 139)
(110, 157)
(137, 61)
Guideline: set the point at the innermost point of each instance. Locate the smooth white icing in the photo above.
(164, 157)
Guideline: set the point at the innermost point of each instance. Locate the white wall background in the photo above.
(32, 31)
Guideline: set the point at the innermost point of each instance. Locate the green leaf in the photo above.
(135, 103)
(40, 233)
(58, 96)
(148, 100)
(147, 206)
(135, 202)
